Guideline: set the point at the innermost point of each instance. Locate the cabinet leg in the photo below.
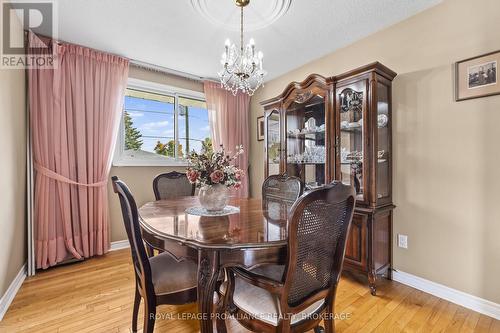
(389, 273)
(372, 281)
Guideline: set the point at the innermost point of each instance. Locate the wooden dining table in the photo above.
(256, 235)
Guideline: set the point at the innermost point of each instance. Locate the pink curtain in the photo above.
(75, 111)
(229, 122)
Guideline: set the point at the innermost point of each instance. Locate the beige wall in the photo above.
(446, 154)
(140, 179)
(12, 176)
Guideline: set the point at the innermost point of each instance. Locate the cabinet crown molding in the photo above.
(323, 82)
(300, 87)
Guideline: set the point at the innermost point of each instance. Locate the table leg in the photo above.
(208, 272)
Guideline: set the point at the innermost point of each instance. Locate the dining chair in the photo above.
(160, 279)
(295, 297)
(171, 185)
(279, 193)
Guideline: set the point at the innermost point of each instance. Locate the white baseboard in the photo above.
(452, 295)
(119, 245)
(11, 292)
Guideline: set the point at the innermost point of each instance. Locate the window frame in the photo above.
(120, 159)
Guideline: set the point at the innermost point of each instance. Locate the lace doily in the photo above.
(200, 211)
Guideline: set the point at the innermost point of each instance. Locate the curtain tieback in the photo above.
(51, 174)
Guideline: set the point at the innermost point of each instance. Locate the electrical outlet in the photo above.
(403, 241)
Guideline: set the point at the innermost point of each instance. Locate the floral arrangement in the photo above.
(214, 167)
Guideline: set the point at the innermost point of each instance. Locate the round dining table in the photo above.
(255, 235)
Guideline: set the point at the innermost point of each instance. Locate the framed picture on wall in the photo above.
(260, 128)
(477, 77)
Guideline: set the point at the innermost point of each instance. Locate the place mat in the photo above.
(200, 211)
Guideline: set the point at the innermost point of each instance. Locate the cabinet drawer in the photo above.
(356, 249)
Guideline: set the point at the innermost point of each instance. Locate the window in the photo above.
(161, 125)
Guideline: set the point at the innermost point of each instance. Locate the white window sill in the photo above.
(145, 159)
(149, 163)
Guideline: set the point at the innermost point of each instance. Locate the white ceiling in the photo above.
(189, 35)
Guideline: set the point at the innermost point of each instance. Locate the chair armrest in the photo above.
(273, 286)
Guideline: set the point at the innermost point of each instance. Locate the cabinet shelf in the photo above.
(352, 129)
(381, 160)
(306, 163)
(306, 139)
(305, 135)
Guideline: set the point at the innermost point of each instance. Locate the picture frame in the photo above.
(477, 76)
(260, 128)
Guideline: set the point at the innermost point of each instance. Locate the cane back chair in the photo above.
(297, 296)
(279, 193)
(172, 185)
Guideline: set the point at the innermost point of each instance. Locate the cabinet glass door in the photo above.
(273, 143)
(384, 141)
(351, 105)
(305, 141)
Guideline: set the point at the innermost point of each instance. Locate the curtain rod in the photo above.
(147, 66)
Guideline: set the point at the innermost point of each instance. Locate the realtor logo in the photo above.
(19, 17)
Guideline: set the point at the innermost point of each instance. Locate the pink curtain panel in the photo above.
(75, 113)
(229, 122)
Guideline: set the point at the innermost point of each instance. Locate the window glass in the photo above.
(194, 129)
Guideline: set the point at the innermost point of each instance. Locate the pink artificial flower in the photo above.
(217, 176)
(238, 175)
(237, 185)
(192, 176)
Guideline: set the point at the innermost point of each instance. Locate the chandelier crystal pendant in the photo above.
(242, 69)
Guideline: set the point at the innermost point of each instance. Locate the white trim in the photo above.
(30, 195)
(119, 245)
(124, 162)
(163, 88)
(161, 69)
(11, 292)
(120, 159)
(469, 301)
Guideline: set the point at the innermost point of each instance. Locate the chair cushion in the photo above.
(263, 305)
(170, 276)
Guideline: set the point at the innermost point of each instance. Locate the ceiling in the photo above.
(189, 35)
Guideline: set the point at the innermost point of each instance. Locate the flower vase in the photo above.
(213, 197)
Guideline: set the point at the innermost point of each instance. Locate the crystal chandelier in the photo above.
(242, 66)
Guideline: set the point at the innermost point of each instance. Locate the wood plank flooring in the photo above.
(96, 296)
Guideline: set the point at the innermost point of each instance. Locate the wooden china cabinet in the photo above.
(339, 128)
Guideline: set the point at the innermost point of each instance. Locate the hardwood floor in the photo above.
(96, 296)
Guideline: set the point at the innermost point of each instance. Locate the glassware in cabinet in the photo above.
(305, 140)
